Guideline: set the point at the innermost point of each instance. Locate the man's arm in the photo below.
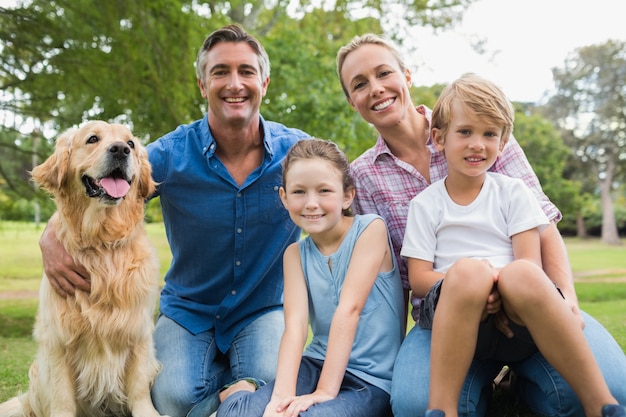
(65, 275)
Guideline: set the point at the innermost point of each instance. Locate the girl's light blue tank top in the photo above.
(380, 330)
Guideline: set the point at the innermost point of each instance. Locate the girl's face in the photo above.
(314, 195)
(471, 144)
(377, 87)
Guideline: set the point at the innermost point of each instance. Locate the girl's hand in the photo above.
(293, 406)
(271, 409)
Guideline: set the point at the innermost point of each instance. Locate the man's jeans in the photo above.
(194, 370)
(538, 384)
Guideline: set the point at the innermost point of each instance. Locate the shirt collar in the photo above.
(208, 141)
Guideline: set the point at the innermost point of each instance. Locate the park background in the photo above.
(131, 61)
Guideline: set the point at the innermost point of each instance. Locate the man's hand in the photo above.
(64, 274)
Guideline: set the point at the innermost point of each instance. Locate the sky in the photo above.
(525, 39)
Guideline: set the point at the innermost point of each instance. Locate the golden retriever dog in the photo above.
(95, 352)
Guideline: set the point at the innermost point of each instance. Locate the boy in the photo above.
(472, 244)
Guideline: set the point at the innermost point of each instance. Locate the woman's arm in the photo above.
(555, 261)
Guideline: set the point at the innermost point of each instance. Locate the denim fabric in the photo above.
(356, 398)
(538, 384)
(227, 240)
(194, 370)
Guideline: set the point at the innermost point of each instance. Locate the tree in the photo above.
(590, 106)
(548, 155)
(67, 61)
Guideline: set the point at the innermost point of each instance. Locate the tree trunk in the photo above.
(581, 227)
(609, 226)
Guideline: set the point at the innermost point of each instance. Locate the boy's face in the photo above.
(471, 144)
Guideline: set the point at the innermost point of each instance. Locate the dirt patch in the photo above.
(608, 275)
(12, 295)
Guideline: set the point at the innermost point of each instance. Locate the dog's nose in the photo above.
(119, 150)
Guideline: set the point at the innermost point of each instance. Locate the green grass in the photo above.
(20, 270)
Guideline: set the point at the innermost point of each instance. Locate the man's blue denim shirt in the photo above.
(227, 241)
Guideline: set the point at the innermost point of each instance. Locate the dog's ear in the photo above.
(147, 186)
(52, 173)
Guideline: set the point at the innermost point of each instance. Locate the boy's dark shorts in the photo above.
(491, 343)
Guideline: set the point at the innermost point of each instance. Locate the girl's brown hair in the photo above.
(314, 148)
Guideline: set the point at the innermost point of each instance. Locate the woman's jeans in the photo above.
(194, 370)
(356, 397)
(538, 385)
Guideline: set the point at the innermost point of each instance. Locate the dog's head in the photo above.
(104, 161)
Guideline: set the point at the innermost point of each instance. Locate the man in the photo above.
(221, 307)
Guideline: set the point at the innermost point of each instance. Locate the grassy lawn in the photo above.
(600, 271)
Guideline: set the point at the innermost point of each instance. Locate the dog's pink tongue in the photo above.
(115, 187)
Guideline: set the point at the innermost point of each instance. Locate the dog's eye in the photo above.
(92, 139)
(131, 144)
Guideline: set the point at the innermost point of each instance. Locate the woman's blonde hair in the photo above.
(356, 43)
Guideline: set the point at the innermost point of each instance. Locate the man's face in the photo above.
(234, 88)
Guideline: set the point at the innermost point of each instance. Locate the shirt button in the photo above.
(233, 292)
(276, 188)
(238, 195)
(239, 230)
(238, 263)
(218, 317)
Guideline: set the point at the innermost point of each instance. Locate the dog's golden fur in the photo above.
(95, 351)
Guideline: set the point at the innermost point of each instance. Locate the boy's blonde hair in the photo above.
(481, 96)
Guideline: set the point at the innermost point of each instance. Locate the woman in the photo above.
(402, 163)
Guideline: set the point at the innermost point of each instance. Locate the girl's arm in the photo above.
(296, 332)
(371, 255)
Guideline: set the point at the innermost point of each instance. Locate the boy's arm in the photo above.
(422, 276)
(526, 245)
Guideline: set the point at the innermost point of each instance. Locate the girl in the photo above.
(342, 279)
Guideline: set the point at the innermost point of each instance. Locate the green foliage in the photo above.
(305, 91)
(68, 61)
(547, 154)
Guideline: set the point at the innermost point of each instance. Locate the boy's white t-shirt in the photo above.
(440, 231)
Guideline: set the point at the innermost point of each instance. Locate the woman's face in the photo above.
(377, 87)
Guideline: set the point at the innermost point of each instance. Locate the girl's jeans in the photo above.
(356, 397)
